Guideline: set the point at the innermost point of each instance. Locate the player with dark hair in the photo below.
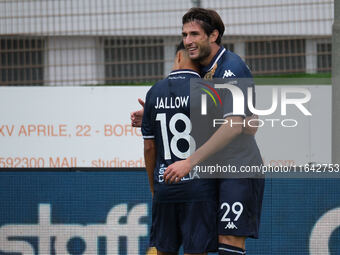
(212, 22)
(186, 212)
(240, 200)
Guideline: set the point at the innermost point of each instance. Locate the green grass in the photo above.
(126, 84)
(281, 79)
(296, 75)
(294, 79)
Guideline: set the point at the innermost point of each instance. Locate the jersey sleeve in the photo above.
(243, 81)
(147, 123)
(235, 100)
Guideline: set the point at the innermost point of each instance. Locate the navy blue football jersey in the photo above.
(244, 194)
(226, 65)
(166, 119)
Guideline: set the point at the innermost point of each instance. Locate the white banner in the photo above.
(90, 127)
(307, 142)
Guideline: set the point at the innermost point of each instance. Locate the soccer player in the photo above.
(184, 213)
(240, 200)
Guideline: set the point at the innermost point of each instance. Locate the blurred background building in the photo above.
(86, 42)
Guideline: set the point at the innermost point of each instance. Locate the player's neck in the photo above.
(191, 68)
(186, 64)
(214, 49)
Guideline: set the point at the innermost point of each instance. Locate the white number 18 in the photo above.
(185, 134)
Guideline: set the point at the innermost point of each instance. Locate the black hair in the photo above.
(180, 46)
(208, 19)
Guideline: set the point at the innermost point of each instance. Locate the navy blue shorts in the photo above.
(240, 203)
(191, 224)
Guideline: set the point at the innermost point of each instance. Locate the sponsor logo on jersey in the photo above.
(161, 171)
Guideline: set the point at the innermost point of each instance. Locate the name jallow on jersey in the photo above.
(171, 103)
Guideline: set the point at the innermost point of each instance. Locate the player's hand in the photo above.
(254, 122)
(176, 171)
(137, 116)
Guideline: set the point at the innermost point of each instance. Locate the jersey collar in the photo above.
(216, 58)
(184, 71)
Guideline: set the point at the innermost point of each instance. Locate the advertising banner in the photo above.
(109, 212)
(90, 127)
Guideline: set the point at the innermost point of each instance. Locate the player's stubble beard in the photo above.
(204, 52)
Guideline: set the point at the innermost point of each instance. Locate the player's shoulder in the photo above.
(157, 87)
(176, 78)
(179, 79)
(233, 65)
(232, 57)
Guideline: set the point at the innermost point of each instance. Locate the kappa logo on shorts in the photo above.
(230, 225)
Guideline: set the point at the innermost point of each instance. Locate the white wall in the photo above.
(163, 17)
(279, 17)
(74, 60)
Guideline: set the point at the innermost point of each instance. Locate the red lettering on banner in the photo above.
(22, 130)
(116, 162)
(121, 130)
(9, 130)
(43, 130)
(63, 162)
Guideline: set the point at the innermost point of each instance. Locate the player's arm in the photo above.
(147, 127)
(137, 116)
(150, 160)
(251, 130)
(221, 138)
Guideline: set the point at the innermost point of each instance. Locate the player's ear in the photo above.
(179, 56)
(177, 61)
(213, 36)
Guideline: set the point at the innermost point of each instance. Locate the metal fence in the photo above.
(84, 42)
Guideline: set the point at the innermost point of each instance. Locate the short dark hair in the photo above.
(208, 19)
(180, 46)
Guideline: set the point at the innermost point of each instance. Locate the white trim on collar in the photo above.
(218, 57)
(179, 72)
(233, 251)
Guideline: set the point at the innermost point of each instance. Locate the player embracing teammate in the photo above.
(239, 199)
